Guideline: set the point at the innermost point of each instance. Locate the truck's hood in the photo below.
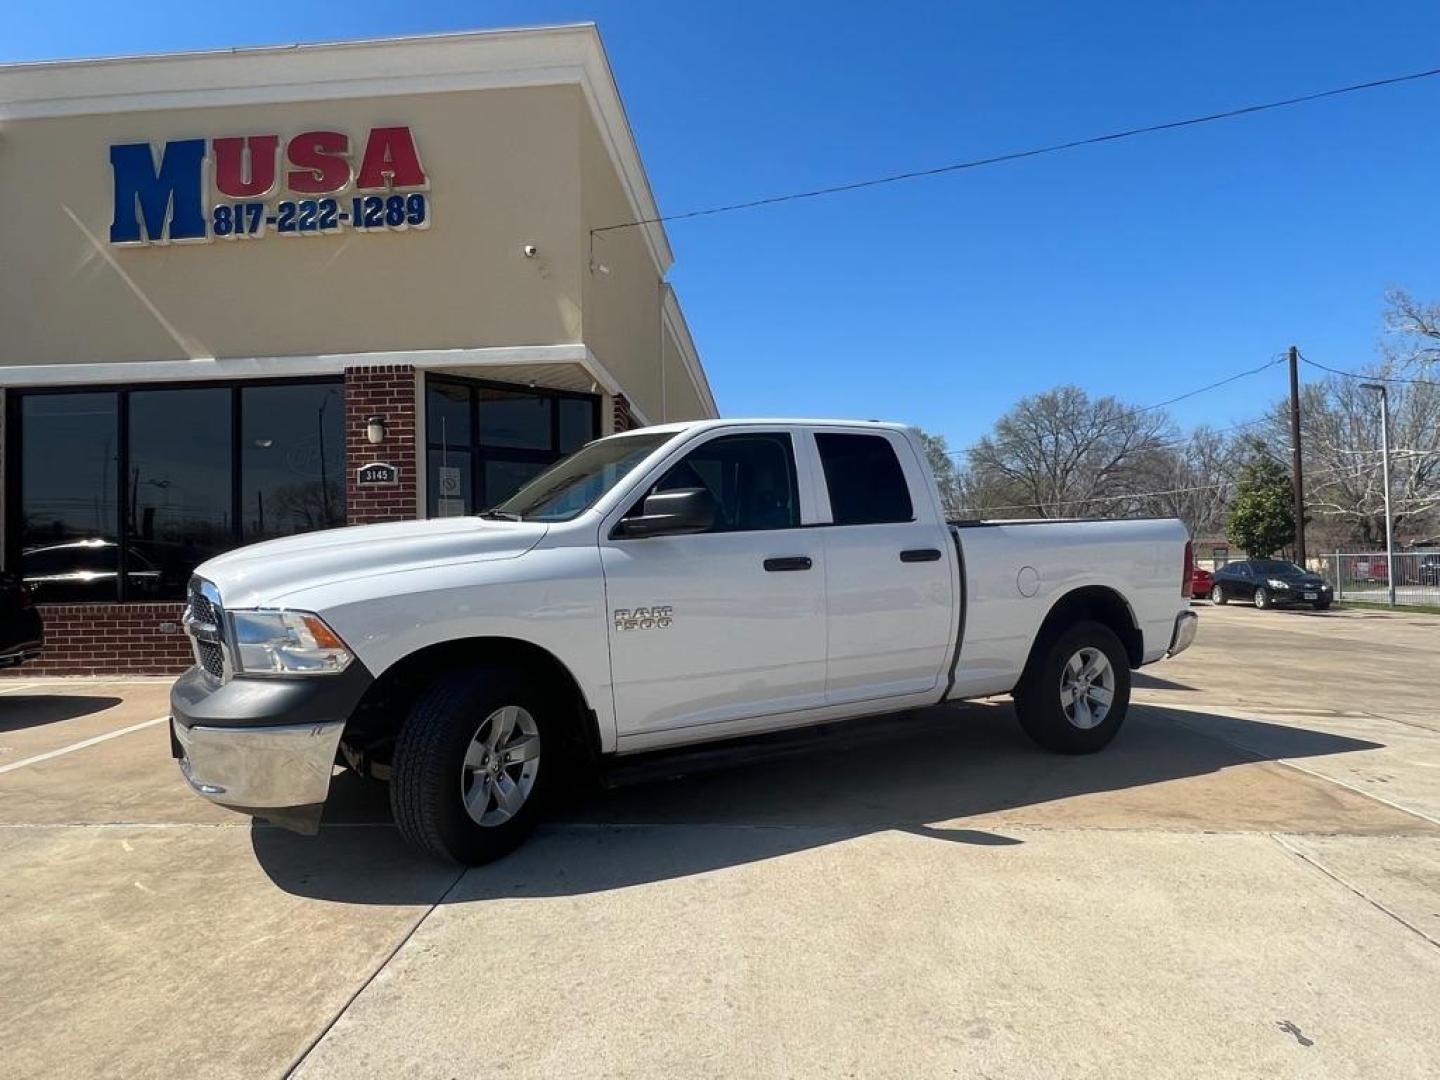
(265, 574)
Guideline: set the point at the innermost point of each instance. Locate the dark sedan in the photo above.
(20, 632)
(1270, 583)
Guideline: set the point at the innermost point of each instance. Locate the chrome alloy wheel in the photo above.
(1087, 688)
(500, 766)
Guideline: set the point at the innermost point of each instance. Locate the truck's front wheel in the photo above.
(472, 765)
(1073, 696)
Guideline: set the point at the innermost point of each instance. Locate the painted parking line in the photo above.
(81, 745)
(16, 689)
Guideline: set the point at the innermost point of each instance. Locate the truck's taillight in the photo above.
(1189, 568)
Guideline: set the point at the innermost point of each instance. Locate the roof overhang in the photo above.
(490, 59)
(564, 367)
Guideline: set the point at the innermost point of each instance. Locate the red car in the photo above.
(1200, 582)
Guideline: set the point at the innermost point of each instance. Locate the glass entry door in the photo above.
(484, 440)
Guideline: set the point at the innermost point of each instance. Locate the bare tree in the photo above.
(1062, 454)
(1340, 429)
(1415, 330)
(1194, 480)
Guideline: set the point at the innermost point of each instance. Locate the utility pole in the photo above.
(1385, 467)
(1297, 482)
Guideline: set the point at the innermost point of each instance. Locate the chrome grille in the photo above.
(211, 657)
(204, 622)
(200, 605)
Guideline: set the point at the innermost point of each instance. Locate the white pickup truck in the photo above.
(659, 588)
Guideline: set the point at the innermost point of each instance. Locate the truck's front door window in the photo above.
(751, 477)
(573, 485)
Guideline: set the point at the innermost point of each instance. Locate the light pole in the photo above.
(1385, 467)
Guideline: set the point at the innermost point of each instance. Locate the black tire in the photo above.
(1217, 594)
(1037, 696)
(1262, 598)
(426, 781)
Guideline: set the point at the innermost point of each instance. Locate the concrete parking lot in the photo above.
(1247, 883)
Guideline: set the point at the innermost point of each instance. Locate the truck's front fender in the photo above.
(551, 597)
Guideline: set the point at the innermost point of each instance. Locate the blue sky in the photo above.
(1143, 269)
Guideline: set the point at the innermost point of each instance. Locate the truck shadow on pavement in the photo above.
(940, 774)
(21, 711)
(1141, 680)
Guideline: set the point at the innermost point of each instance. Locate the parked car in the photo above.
(1369, 569)
(1270, 583)
(1429, 571)
(1200, 582)
(659, 588)
(21, 634)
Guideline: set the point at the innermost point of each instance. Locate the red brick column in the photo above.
(386, 390)
(624, 418)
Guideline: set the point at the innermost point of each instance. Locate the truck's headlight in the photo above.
(286, 643)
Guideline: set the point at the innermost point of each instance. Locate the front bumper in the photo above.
(1186, 623)
(1297, 598)
(264, 747)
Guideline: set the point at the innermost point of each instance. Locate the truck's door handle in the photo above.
(789, 562)
(920, 555)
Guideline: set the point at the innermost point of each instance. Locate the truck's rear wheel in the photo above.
(1074, 694)
(472, 765)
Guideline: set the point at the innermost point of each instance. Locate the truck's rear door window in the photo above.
(863, 475)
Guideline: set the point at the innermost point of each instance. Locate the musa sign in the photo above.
(165, 198)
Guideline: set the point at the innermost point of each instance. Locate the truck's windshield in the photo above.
(574, 484)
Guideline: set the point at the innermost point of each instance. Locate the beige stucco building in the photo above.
(224, 276)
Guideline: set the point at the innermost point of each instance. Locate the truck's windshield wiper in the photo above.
(499, 515)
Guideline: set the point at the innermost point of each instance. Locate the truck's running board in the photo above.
(655, 766)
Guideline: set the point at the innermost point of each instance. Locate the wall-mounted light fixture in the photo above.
(375, 429)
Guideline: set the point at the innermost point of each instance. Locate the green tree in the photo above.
(942, 463)
(1262, 517)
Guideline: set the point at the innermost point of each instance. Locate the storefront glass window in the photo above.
(178, 488)
(292, 460)
(448, 419)
(485, 442)
(451, 484)
(69, 507)
(515, 418)
(122, 493)
(577, 423)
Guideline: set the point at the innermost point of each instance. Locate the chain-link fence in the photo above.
(1366, 576)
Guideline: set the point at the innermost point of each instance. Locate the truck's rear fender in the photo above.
(372, 728)
(1098, 603)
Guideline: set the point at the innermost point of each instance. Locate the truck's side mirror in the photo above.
(671, 513)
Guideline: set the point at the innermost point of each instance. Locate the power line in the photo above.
(1369, 378)
(1214, 431)
(1018, 155)
(1200, 390)
(1277, 359)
